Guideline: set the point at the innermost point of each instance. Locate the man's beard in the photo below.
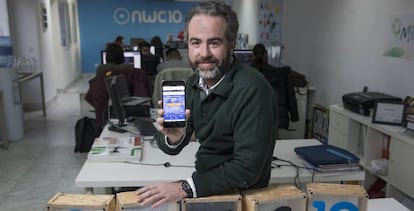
(214, 73)
(210, 74)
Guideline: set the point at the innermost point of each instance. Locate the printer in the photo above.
(363, 102)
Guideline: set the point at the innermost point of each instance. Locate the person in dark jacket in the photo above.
(137, 80)
(115, 51)
(231, 111)
(279, 78)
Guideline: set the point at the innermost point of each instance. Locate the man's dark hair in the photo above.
(114, 54)
(259, 52)
(217, 9)
(173, 53)
(119, 39)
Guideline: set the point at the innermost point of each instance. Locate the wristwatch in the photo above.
(187, 188)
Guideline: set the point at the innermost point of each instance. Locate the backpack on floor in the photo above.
(85, 134)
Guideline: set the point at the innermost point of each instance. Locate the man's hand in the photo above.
(174, 134)
(158, 194)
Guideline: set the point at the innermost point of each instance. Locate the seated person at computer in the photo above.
(114, 54)
(231, 109)
(97, 95)
(119, 41)
(159, 47)
(149, 62)
(173, 60)
(278, 77)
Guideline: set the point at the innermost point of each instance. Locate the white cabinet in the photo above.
(400, 169)
(342, 132)
(369, 141)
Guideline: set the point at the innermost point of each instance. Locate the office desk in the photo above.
(284, 149)
(3, 125)
(151, 168)
(25, 77)
(385, 204)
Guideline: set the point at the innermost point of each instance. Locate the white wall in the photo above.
(60, 65)
(4, 19)
(339, 45)
(248, 18)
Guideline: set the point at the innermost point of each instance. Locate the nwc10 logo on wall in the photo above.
(101, 21)
(124, 16)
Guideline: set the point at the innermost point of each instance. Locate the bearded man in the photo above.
(231, 111)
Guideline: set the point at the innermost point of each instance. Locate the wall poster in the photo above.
(270, 22)
(400, 36)
(320, 123)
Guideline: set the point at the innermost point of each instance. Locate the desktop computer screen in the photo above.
(131, 57)
(149, 64)
(245, 56)
(114, 86)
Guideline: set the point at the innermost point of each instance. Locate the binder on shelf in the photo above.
(409, 118)
(410, 125)
(327, 156)
(334, 168)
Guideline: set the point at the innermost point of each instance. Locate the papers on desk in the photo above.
(116, 149)
(328, 159)
(332, 170)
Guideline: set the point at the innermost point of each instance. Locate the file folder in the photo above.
(326, 155)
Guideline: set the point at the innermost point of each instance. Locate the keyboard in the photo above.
(133, 100)
(145, 126)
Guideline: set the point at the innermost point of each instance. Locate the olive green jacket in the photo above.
(236, 126)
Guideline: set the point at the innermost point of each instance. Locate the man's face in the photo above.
(208, 48)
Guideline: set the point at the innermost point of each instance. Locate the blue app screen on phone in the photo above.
(174, 103)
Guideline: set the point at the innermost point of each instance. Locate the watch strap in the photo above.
(187, 188)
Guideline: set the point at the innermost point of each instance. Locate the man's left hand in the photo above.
(161, 193)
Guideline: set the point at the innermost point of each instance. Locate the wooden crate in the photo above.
(127, 201)
(231, 202)
(69, 202)
(277, 198)
(329, 196)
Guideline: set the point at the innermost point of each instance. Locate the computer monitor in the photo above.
(152, 50)
(245, 56)
(131, 57)
(149, 64)
(115, 86)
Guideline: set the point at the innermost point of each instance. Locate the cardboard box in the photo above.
(331, 196)
(70, 202)
(127, 201)
(277, 198)
(217, 202)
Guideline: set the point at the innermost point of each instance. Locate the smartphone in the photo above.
(173, 103)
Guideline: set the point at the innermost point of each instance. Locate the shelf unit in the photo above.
(370, 141)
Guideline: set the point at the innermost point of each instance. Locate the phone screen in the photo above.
(173, 100)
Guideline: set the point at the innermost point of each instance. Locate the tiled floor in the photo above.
(43, 163)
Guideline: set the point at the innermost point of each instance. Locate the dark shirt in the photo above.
(149, 64)
(236, 126)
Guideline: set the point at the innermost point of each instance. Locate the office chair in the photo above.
(138, 85)
(176, 73)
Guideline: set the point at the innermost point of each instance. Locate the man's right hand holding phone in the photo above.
(174, 134)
